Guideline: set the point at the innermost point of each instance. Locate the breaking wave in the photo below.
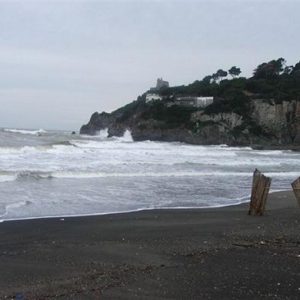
(24, 131)
(6, 178)
(38, 175)
(127, 137)
(13, 206)
(33, 175)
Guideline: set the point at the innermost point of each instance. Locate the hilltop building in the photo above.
(153, 94)
(160, 83)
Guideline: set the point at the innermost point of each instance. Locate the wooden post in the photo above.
(259, 194)
(296, 189)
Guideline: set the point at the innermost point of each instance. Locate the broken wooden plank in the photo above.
(296, 188)
(259, 194)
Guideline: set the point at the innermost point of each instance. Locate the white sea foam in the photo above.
(103, 133)
(5, 178)
(272, 152)
(33, 175)
(64, 150)
(80, 175)
(17, 150)
(283, 174)
(23, 131)
(144, 174)
(127, 137)
(14, 206)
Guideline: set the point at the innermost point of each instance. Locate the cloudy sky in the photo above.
(63, 60)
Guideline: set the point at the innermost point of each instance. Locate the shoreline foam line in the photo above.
(240, 201)
(243, 200)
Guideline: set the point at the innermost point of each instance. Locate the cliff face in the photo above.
(281, 120)
(266, 123)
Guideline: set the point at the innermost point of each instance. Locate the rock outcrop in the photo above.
(97, 122)
(280, 120)
(267, 123)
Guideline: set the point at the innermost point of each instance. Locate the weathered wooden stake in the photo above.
(296, 189)
(260, 190)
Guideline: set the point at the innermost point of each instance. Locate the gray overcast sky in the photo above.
(63, 60)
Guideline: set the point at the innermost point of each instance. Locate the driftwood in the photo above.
(296, 189)
(260, 190)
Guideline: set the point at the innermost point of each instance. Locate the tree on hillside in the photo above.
(296, 70)
(207, 79)
(288, 70)
(214, 77)
(270, 69)
(219, 75)
(234, 71)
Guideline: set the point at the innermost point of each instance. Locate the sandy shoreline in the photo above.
(218, 253)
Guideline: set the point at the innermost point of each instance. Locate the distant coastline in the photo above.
(262, 111)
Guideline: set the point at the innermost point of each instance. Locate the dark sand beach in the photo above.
(217, 253)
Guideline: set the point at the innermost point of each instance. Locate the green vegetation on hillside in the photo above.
(173, 116)
(273, 80)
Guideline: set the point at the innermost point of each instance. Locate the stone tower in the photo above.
(161, 83)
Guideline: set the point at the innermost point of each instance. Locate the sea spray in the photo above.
(127, 137)
(103, 134)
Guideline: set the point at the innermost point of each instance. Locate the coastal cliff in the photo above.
(262, 110)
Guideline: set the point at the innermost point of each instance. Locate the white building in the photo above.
(194, 101)
(152, 97)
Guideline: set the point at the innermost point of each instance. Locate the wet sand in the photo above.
(217, 253)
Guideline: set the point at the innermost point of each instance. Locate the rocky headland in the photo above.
(262, 111)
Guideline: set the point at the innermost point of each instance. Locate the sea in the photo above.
(57, 174)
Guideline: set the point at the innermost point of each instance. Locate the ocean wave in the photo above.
(62, 143)
(17, 150)
(14, 206)
(57, 148)
(25, 149)
(144, 174)
(81, 175)
(6, 178)
(12, 176)
(127, 137)
(33, 175)
(61, 216)
(283, 174)
(103, 135)
(271, 152)
(91, 157)
(25, 131)
(37, 175)
(166, 174)
(229, 148)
